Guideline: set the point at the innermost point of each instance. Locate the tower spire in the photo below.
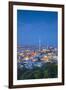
(39, 44)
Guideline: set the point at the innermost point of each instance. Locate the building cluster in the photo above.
(44, 55)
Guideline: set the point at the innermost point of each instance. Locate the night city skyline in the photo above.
(37, 39)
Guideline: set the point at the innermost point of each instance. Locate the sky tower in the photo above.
(39, 44)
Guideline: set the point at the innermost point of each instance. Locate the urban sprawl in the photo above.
(29, 58)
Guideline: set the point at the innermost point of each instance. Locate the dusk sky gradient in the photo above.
(35, 25)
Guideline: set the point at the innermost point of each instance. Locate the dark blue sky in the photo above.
(35, 25)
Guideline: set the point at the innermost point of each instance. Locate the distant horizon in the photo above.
(33, 26)
(45, 46)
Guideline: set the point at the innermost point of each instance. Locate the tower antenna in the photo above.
(39, 44)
